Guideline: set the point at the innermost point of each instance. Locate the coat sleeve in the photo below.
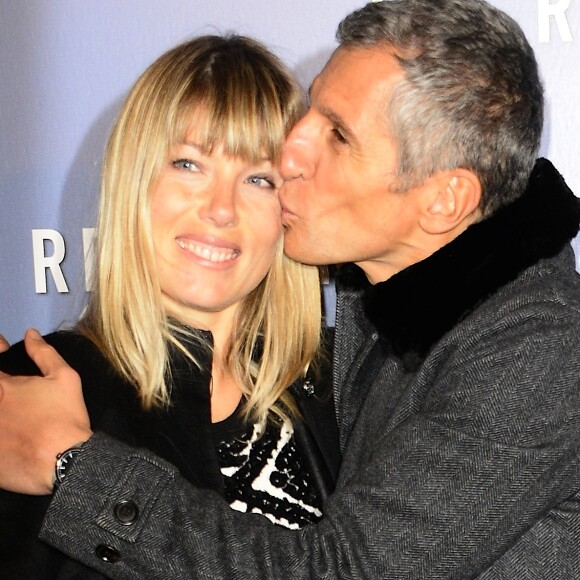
(441, 495)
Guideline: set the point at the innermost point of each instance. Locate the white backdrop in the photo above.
(65, 66)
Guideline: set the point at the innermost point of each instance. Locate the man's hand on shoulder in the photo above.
(39, 418)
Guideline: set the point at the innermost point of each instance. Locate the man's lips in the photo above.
(215, 251)
(287, 215)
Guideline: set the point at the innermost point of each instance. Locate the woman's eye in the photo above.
(186, 164)
(262, 181)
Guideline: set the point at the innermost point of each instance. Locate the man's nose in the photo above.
(299, 154)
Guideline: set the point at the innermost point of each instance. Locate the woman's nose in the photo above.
(220, 205)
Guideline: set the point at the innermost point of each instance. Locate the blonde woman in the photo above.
(198, 324)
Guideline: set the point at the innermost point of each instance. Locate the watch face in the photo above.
(63, 462)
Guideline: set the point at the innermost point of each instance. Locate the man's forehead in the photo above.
(324, 70)
(373, 65)
(325, 79)
(356, 78)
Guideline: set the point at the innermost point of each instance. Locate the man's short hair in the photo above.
(471, 96)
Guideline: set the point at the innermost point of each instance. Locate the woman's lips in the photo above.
(215, 251)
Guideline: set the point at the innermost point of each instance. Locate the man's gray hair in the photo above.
(471, 96)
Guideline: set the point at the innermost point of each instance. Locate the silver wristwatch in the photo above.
(64, 461)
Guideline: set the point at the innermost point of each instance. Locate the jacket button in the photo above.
(107, 554)
(126, 512)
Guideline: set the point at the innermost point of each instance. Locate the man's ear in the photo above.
(452, 202)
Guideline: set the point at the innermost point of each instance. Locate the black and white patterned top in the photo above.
(264, 473)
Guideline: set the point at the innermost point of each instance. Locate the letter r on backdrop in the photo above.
(44, 263)
(556, 9)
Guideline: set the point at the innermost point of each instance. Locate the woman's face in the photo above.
(216, 223)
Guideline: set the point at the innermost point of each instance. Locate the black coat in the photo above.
(181, 434)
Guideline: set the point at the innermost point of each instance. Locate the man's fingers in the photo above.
(45, 357)
(4, 344)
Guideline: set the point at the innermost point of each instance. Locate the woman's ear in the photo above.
(453, 202)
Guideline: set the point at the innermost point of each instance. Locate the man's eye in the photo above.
(186, 164)
(338, 135)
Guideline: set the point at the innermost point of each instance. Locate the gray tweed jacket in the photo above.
(458, 401)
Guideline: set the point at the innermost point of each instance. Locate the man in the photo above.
(456, 367)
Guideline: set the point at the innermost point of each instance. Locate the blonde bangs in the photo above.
(248, 135)
(241, 107)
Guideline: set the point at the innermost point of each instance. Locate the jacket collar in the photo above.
(414, 308)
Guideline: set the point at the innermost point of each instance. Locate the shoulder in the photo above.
(78, 351)
(99, 378)
(544, 300)
(71, 345)
(512, 365)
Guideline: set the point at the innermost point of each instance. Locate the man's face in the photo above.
(339, 162)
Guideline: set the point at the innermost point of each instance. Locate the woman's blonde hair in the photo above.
(248, 102)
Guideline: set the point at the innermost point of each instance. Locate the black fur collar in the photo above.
(414, 308)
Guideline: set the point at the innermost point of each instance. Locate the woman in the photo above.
(197, 324)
